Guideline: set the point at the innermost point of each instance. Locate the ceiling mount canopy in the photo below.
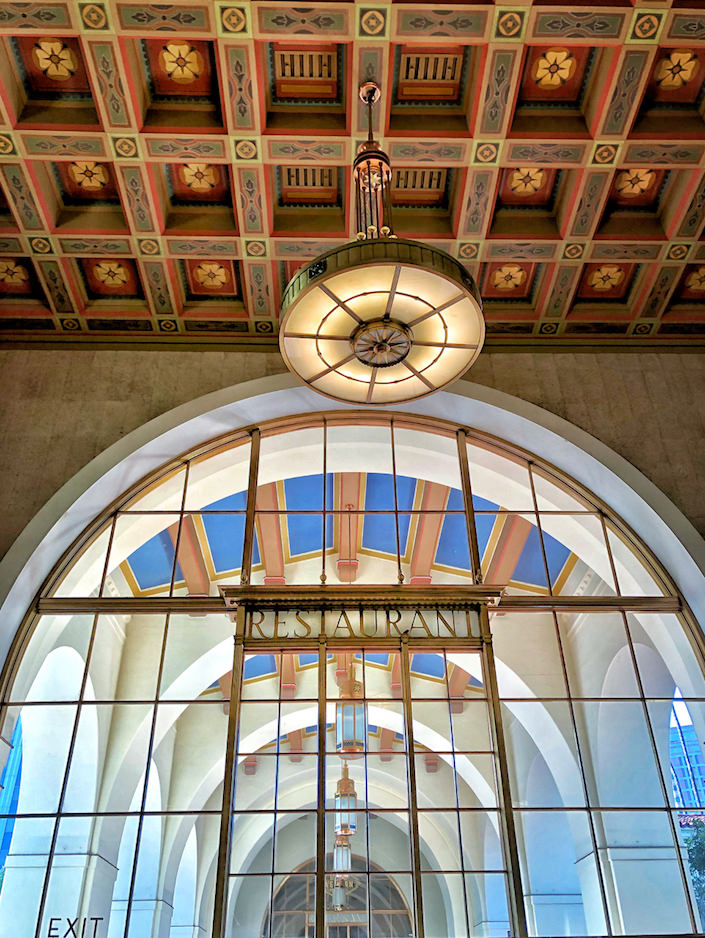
(381, 319)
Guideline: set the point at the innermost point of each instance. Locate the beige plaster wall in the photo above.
(59, 409)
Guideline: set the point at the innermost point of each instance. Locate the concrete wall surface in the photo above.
(60, 409)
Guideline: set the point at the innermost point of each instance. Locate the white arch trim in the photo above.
(620, 485)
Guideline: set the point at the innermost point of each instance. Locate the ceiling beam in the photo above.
(269, 535)
(434, 498)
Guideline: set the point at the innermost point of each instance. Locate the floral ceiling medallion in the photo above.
(676, 69)
(12, 273)
(696, 280)
(199, 176)
(633, 182)
(508, 277)
(54, 59)
(606, 277)
(89, 175)
(526, 181)
(554, 68)
(211, 275)
(110, 273)
(181, 62)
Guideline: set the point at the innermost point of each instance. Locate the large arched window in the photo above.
(361, 676)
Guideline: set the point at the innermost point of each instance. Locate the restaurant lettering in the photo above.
(360, 623)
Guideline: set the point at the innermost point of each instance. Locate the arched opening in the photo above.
(417, 654)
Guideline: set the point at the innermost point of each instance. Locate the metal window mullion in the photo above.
(465, 482)
(64, 784)
(583, 777)
(320, 910)
(224, 843)
(245, 573)
(516, 890)
(662, 780)
(150, 751)
(413, 803)
(179, 529)
(324, 575)
(457, 796)
(400, 575)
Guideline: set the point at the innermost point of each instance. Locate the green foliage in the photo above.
(695, 845)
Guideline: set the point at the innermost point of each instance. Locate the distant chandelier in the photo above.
(381, 319)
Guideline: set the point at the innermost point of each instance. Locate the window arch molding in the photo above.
(622, 487)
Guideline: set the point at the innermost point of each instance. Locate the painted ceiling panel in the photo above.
(229, 144)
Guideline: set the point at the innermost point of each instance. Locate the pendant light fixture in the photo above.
(380, 320)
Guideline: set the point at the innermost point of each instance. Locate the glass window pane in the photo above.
(561, 886)
(142, 556)
(620, 769)
(295, 841)
(634, 575)
(125, 658)
(190, 739)
(26, 844)
(443, 901)
(44, 733)
(296, 454)
(690, 832)
(52, 666)
(510, 548)
(427, 674)
(553, 494)
(251, 848)
(210, 550)
(217, 478)
(643, 878)
(597, 654)
(465, 678)
(527, 656)
(434, 545)
(287, 548)
(249, 902)
(383, 674)
(357, 821)
(121, 781)
(365, 451)
(438, 840)
(475, 778)
(258, 726)
(665, 658)
(679, 733)
(386, 781)
(163, 494)
(255, 782)
(486, 897)
(198, 657)
(471, 729)
(576, 554)
(480, 836)
(431, 725)
(84, 574)
(297, 781)
(435, 780)
(429, 456)
(391, 902)
(390, 840)
(544, 768)
(499, 480)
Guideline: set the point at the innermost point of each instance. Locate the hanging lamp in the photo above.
(380, 320)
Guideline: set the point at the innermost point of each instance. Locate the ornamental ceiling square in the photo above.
(166, 168)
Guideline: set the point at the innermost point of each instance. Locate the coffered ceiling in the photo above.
(166, 167)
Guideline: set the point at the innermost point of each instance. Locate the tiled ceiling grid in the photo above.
(166, 167)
